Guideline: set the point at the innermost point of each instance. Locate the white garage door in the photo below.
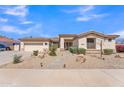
(33, 46)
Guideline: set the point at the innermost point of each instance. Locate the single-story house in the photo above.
(88, 40)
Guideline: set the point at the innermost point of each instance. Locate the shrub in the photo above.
(17, 59)
(76, 50)
(35, 53)
(81, 51)
(73, 50)
(108, 51)
(120, 48)
(52, 51)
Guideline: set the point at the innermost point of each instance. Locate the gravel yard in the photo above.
(7, 56)
(57, 62)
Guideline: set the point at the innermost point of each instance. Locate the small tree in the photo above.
(52, 50)
(35, 53)
(17, 59)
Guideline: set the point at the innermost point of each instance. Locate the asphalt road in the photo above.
(7, 56)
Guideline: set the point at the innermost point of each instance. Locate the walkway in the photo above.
(60, 60)
(84, 77)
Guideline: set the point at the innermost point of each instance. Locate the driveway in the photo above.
(63, 77)
(7, 56)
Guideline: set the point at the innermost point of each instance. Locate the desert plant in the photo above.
(17, 59)
(81, 51)
(76, 50)
(52, 50)
(35, 53)
(73, 50)
(120, 48)
(108, 51)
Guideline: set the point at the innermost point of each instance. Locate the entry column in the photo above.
(61, 43)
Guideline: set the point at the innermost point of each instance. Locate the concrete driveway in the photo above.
(7, 56)
(83, 77)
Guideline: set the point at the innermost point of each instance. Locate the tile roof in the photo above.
(55, 39)
(68, 35)
(97, 33)
(35, 39)
(5, 39)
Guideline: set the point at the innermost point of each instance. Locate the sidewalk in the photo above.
(63, 77)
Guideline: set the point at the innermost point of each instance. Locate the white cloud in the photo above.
(90, 17)
(20, 11)
(3, 19)
(85, 9)
(85, 13)
(26, 22)
(83, 18)
(121, 33)
(80, 10)
(10, 29)
(14, 29)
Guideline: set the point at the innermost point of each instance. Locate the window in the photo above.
(46, 43)
(109, 40)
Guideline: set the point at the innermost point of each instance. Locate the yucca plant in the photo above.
(17, 59)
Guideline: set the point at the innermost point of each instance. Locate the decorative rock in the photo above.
(41, 64)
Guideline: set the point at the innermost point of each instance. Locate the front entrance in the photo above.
(67, 45)
(91, 43)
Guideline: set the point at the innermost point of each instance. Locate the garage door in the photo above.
(33, 46)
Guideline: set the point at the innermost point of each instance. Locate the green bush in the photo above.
(17, 59)
(76, 50)
(108, 51)
(81, 51)
(35, 53)
(52, 50)
(73, 50)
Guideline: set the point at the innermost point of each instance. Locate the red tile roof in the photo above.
(5, 39)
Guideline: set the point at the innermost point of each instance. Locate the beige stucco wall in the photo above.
(61, 43)
(82, 43)
(75, 43)
(98, 42)
(31, 46)
(22, 46)
(106, 44)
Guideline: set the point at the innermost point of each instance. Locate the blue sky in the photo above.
(49, 21)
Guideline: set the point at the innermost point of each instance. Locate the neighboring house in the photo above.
(7, 42)
(90, 40)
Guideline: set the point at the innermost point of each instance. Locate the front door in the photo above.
(91, 43)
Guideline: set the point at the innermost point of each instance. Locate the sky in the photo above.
(52, 20)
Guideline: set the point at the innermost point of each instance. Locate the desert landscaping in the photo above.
(67, 60)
